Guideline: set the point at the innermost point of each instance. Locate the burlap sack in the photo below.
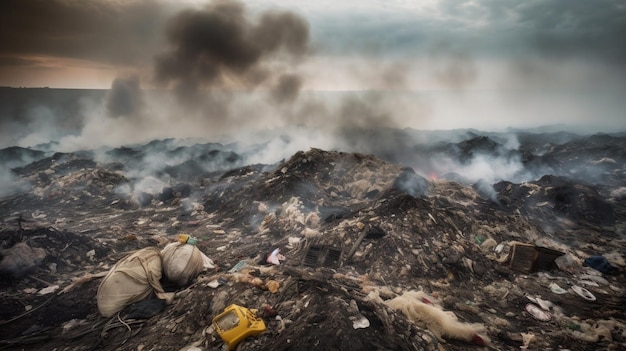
(182, 263)
(132, 279)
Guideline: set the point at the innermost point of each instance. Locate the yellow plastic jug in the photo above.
(237, 323)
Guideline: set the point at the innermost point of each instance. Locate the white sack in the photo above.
(132, 279)
(183, 262)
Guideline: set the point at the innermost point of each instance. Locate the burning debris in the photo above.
(332, 249)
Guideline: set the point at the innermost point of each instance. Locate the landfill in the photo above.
(324, 250)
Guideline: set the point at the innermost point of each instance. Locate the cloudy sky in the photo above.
(480, 63)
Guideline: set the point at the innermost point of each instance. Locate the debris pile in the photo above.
(324, 250)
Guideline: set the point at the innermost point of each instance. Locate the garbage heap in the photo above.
(334, 250)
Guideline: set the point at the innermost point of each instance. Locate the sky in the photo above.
(425, 64)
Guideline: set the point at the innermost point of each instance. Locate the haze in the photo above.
(214, 68)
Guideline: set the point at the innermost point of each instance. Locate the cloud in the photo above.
(580, 28)
(10, 61)
(509, 64)
(127, 34)
(503, 28)
(112, 32)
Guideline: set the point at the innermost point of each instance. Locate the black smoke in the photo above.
(125, 97)
(287, 88)
(220, 47)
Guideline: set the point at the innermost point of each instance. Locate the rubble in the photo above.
(323, 245)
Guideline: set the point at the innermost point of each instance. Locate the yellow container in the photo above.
(237, 323)
(182, 238)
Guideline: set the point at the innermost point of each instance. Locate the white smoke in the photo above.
(10, 185)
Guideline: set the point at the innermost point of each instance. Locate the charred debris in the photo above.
(379, 251)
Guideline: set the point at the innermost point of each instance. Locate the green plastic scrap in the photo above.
(574, 326)
(237, 267)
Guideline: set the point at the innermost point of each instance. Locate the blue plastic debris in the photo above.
(600, 263)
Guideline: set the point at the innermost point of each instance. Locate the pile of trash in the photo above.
(326, 250)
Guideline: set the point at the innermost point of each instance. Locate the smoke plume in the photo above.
(125, 97)
(287, 88)
(220, 47)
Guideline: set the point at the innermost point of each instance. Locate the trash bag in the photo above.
(132, 279)
(20, 258)
(183, 262)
